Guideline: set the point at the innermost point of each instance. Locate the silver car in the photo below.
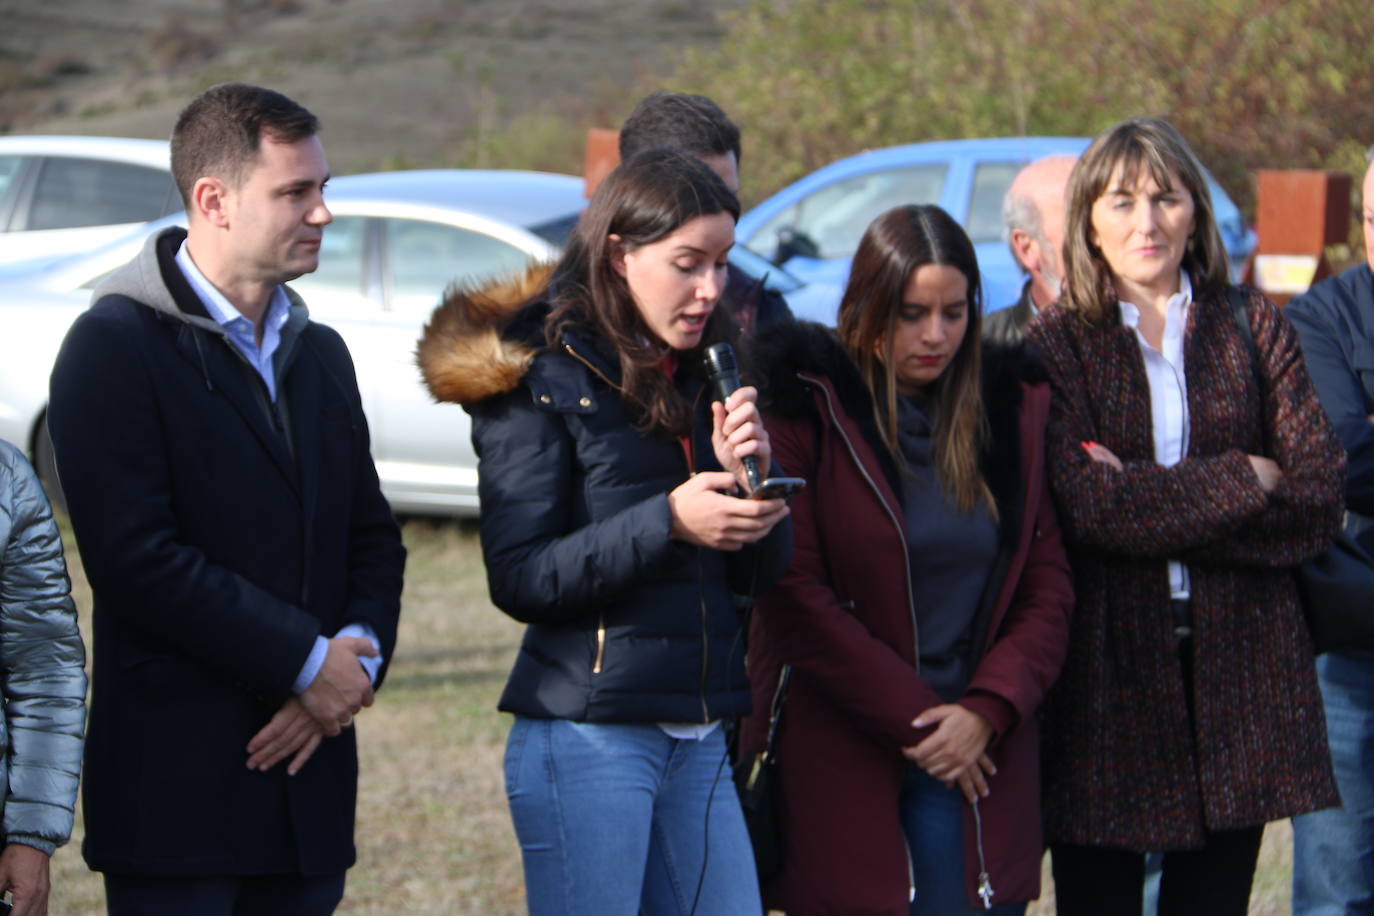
(60, 195)
(398, 239)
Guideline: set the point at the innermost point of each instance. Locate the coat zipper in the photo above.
(601, 616)
(705, 644)
(687, 453)
(906, 561)
(600, 658)
(985, 891)
(600, 642)
(595, 371)
(896, 523)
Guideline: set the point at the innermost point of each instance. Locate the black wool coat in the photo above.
(218, 548)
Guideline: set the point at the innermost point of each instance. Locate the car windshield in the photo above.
(833, 218)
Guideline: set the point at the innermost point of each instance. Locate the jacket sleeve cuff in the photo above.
(313, 663)
(47, 847)
(1001, 715)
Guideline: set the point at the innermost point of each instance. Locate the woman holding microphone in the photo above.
(613, 524)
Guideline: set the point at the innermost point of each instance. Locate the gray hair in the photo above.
(1369, 154)
(1020, 212)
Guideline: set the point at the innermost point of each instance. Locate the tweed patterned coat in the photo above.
(1121, 768)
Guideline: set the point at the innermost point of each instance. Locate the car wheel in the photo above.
(46, 465)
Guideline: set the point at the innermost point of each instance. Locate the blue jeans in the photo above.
(933, 820)
(617, 820)
(1333, 850)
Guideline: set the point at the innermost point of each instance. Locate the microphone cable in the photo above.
(706, 832)
(739, 640)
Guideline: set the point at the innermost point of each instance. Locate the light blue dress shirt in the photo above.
(237, 328)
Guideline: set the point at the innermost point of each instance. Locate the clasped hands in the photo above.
(338, 692)
(703, 509)
(956, 751)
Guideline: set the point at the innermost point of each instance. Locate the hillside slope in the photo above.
(398, 84)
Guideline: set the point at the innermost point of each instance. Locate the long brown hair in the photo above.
(892, 248)
(646, 198)
(1154, 144)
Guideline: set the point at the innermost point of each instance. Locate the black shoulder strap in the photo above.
(1240, 311)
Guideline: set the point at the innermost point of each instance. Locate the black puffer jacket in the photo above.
(626, 624)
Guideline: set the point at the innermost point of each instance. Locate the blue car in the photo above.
(813, 225)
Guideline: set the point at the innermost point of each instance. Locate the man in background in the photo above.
(696, 125)
(246, 569)
(1033, 218)
(1333, 850)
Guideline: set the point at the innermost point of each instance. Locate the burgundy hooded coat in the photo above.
(842, 616)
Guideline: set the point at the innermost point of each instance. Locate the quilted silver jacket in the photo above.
(42, 678)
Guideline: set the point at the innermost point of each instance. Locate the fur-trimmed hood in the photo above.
(813, 349)
(479, 343)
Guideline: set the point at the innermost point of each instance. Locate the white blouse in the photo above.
(1168, 393)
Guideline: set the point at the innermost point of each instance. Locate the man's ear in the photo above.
(209, 200)
(616, 254)
(1026, 248)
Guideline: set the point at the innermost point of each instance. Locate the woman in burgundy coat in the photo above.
(925, 613)
(1188, 713)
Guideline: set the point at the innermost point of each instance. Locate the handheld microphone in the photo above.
(723, 373)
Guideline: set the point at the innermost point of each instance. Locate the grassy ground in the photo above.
(433, 833)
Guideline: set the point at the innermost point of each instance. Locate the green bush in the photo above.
(1251, 83)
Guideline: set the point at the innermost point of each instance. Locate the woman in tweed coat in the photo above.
(1187, 714)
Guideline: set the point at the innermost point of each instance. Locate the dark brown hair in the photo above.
(893, 247)
(1153, 144)
(646, 198)
(220, 132)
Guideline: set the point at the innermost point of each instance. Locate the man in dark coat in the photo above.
(246, 568)
(1333, 850)
(696, 125)
(1033, 217)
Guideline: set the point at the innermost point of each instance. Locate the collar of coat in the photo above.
(806, 347)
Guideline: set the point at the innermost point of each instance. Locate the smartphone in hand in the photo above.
(778, 488)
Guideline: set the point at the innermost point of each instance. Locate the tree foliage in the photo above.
(1251, 83)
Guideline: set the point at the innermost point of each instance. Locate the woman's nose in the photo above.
(1146, 218)
(712, 285)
